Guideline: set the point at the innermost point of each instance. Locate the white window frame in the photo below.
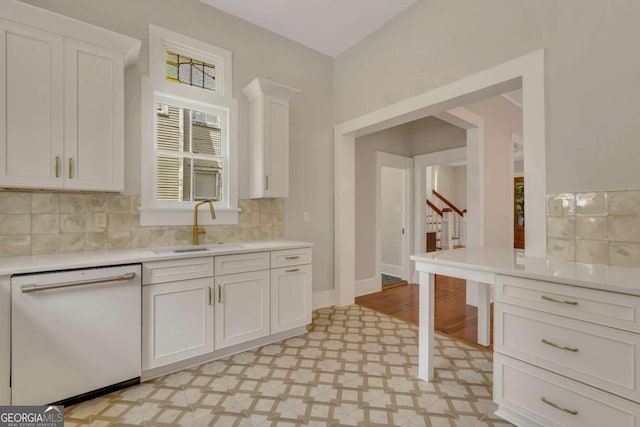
(156, 89)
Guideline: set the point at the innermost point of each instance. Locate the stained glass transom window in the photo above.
(182, 69)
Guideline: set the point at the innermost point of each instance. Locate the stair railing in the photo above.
(454, 217)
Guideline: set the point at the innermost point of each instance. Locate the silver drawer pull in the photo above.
(554, 405)
(292, 270)
(33, 288)
(561, 347)
(561, 301)
(292, 257)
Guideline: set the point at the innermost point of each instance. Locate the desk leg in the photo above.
(425, 330)
(484, 314)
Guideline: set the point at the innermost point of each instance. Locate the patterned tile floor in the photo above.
(354, 367)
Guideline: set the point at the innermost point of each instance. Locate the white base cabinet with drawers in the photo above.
(199, 309)
(566, 355)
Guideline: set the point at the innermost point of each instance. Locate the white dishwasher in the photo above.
(74, 334)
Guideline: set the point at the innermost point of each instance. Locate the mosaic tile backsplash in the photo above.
(599, 228)
(47, 222)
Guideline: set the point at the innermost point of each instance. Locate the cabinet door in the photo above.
(276, 149)
(30, 107)
(177, 321)
(242, 307)
(290, 297)
(94, 118)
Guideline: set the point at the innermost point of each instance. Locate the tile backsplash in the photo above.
(47, 222)
(600, 227)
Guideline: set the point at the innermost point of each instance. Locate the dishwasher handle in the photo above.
(34, 288)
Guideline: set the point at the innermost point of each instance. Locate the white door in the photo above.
(290, 297)
(177, 321)
(242, 307)
(31, 108)
(94, 125)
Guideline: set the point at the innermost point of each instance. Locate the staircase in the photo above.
(447, 222)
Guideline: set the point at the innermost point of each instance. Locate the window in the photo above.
(182, 69)
(189, 131)
(190, 160)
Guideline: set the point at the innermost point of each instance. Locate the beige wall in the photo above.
(391, 199)
(452, 184)
(256, 52)
(501, 119)
(430, 134)
(392, 141)
(590, 74)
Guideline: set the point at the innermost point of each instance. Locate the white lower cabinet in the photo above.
(177, 321)
(242, 307)
(195, 307)
(530, 396)
(565, 355)
(290, 297)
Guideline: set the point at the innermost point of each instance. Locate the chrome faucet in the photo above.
(197, 231)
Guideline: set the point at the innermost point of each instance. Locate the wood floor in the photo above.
(453, 317)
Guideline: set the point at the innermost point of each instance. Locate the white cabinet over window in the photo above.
(61, 101)
(269, 138)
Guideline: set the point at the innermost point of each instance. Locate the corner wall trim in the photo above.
(324, 299)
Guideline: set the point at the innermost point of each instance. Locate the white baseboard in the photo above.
(324, 299)
(368, 286)
(392, 270)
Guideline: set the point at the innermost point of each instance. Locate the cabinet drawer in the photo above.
(597, 355)
(521, 388)
(290, 257)
(241, 263)
(176, 269)
(605, 308)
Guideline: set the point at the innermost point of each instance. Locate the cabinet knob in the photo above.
(70, 167)
(266, 182)
(57, 166)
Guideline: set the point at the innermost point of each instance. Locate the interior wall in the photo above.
(452, 184)
(256, 52)
(392, 141)
(590, 75)
(431, 134)
(391, 198)
(501, 119)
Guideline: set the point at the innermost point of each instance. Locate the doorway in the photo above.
(394, 190)
(526, 72)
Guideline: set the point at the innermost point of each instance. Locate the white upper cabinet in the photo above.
(94, 118)
(269, 138)
(61, 101)
(30, 107)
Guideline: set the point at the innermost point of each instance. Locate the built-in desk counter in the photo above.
(566, 335)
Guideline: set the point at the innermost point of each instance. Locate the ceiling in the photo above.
(328, 26)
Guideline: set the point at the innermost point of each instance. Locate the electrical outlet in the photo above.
(306, 217)
(100, 219)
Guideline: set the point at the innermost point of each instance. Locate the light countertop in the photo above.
(40, 263)
(512, 262)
